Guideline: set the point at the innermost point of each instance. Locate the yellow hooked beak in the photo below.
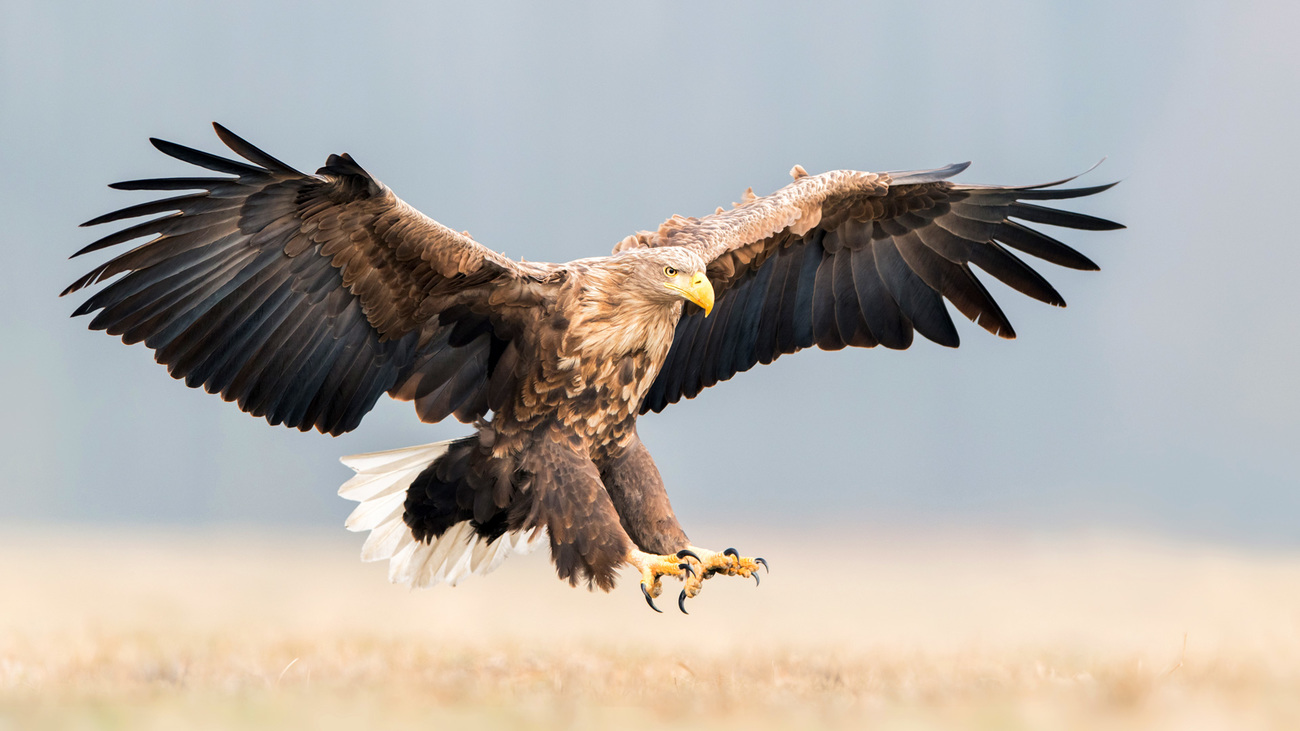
(697, 290)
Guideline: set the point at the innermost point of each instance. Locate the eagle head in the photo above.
(667, 275)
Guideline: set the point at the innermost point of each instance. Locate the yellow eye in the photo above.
(670, 271)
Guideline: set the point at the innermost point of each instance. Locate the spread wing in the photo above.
(302, 297)
(863, 259)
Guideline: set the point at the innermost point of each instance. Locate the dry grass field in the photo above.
(205, 629)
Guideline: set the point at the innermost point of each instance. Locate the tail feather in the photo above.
(384, 541)
(380, 486)
(373, 461)
(371, 514)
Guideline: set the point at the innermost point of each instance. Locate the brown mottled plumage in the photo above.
(303, 298)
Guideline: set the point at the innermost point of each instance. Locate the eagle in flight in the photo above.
(304, 298)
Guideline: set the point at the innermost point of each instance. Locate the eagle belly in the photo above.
(605, 365)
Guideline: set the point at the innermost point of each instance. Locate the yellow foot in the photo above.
(652, 567)
(706, 563)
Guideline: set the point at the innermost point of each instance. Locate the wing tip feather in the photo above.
(917, 177)
(249, 151)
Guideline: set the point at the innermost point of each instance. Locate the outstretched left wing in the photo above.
(853, 258)
(303, 298)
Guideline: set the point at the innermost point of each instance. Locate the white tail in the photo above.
(380, 486)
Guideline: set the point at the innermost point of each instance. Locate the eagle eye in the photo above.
(670, 271)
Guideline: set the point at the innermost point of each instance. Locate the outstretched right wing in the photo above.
(853, 258)
(304, 297)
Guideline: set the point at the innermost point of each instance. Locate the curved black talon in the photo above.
(681, 602)
(688, 552)
(757, 582)
(687, 568)
(650, 600)
(764, 562)
(732, 552)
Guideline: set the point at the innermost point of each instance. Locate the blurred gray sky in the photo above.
(1164, 398)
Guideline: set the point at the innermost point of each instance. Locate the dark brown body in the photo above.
(563, 451)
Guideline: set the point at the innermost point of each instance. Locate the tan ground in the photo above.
(149, 629)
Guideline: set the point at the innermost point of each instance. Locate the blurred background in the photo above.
(1162, 401)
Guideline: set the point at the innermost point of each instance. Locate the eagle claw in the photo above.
(702, 565)
(649, 600)
(653, 568)
(728, 562)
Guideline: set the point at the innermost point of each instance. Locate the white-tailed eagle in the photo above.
(304, 298)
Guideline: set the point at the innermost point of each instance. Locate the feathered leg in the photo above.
(562, 492)
(638, 494)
